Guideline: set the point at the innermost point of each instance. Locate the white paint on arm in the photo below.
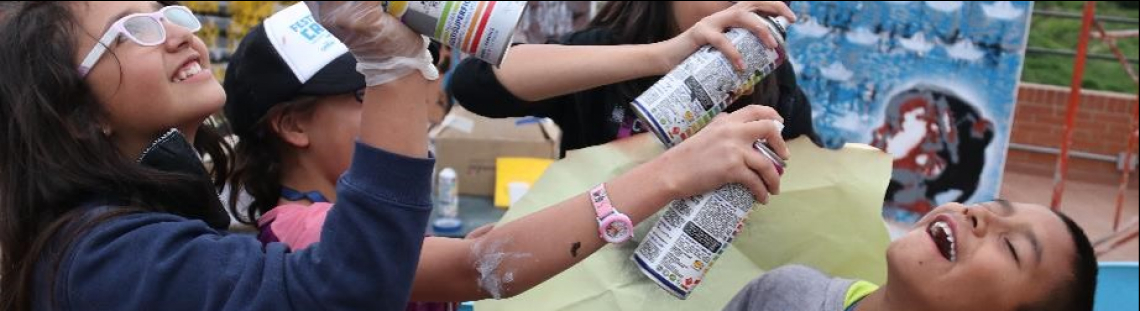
(493, 275)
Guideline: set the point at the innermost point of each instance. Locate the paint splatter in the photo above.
(574, 249)
(489, 257)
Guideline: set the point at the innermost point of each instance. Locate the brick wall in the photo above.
(1102, 127)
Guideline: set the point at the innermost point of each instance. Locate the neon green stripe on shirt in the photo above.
(857, 291)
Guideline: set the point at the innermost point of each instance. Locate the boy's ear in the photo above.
(291, 128)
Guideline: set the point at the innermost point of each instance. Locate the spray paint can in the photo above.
(447, 202)
(482, 29)
(685, 243)
(687, 98)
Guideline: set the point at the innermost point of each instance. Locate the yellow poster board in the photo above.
(516, 170)
(828, 217)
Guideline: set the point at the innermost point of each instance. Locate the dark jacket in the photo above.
(594, 116)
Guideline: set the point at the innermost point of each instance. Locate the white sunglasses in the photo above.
(146, 29)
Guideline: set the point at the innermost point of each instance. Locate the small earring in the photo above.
(107, 131)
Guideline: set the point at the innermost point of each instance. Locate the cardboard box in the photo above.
(470, 144)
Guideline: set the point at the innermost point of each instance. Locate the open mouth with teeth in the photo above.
(188, 70)
(943, 237)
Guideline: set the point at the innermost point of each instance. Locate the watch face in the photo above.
(617, 230)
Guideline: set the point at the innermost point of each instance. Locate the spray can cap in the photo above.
(781, 23)
(447, 173)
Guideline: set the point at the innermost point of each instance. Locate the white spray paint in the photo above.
(488, 259)
(1002, 10)
(836, 72)
(811, 29)
(917, 43)
(862, 36)
(965, 50)
(945, 6)
(912, 134)
(851, 122)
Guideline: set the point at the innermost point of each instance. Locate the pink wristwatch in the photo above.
(613, 226)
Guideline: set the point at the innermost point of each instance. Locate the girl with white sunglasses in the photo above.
(105, 203)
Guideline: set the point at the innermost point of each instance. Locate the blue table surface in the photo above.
(474, 211)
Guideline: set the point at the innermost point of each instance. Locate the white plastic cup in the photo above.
(516, 190)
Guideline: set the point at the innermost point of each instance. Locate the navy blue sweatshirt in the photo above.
(366, 259)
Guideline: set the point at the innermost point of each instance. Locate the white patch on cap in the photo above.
(302, 42)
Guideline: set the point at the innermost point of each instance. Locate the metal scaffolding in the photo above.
(1120, 234)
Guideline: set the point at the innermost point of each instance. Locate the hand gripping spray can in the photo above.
(482, 29)
(694, 232)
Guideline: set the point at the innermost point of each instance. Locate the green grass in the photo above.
(1062, 33)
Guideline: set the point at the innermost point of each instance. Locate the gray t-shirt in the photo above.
(792, 287)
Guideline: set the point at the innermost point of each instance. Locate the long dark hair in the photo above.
(645, 22)
(637, 22)
(55, 156)
(257, 162)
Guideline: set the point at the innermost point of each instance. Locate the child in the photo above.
(997, 256)
(295, 141)
(105, 203)
(586, 81)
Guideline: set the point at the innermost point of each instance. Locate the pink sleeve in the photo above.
(297, 226)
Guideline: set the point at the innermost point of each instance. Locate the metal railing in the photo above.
(1089, 21)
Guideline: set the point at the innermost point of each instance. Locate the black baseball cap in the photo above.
(286, 56)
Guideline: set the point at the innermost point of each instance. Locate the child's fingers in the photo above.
(753, 113)
(765, 169)
(720, 41)
(481, 231)
(777, 8)
(748, 20)
(754, 183)
(768, 131)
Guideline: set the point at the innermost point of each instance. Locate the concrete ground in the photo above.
(1090, 203)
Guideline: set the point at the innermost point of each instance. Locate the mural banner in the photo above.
(933, 83)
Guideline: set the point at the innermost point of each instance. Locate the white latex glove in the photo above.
(384, 48)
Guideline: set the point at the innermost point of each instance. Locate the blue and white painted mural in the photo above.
(933, 83)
